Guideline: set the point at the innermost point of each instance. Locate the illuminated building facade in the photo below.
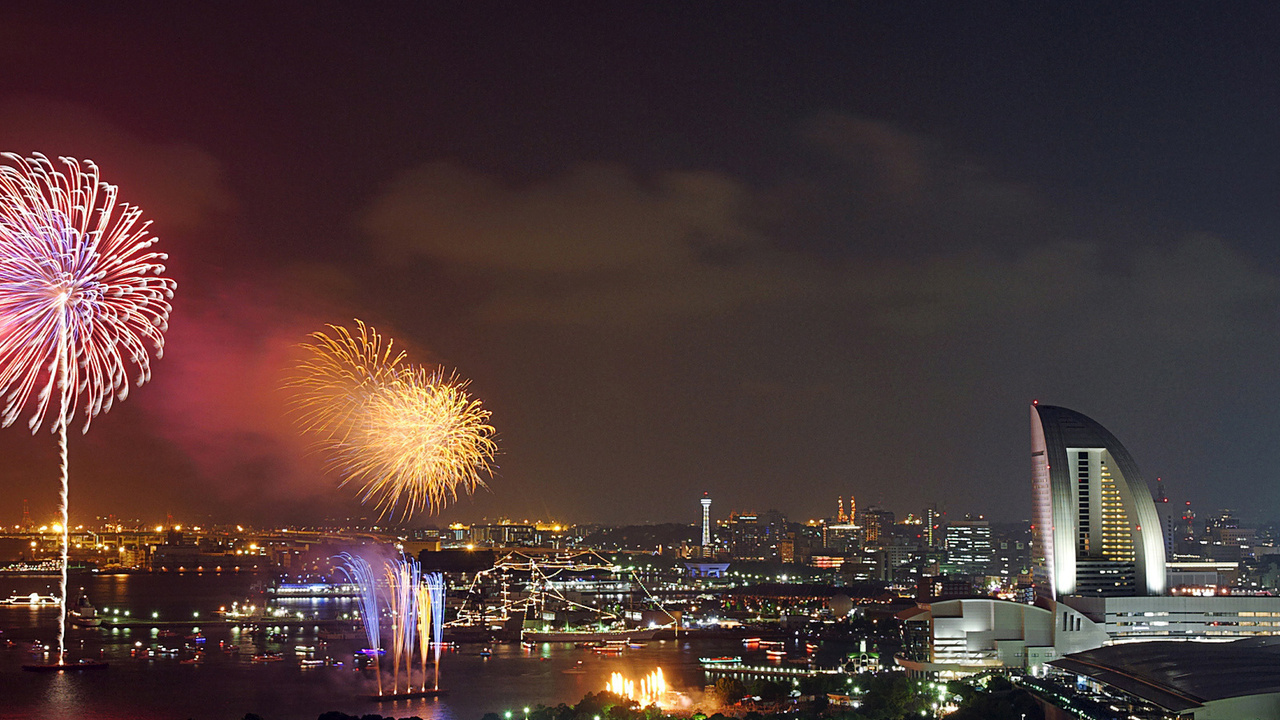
(746, 536)
(1096, 530)
(875, 522)
(969, 546)
(932, 526)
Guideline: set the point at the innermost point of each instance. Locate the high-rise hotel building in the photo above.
(1096, 530)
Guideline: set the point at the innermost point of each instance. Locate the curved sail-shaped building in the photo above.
(1096, 531)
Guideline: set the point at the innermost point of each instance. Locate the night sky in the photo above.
(775, 251)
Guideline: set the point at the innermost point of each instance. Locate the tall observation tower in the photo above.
(706, 525)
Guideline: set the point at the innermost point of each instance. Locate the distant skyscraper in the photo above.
(706, 524)
(1096, 528)
(932, 525)
(969, 546)
(747, 536)
(840, 516)
(875, 522)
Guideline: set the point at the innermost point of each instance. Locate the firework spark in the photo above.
(411, 438)
(359, 573)
(82, 296)
(333, 383)
(415, 602)
(421, 439)
(404, 586)
(651, 690)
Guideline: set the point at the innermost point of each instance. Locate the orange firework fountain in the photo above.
(651, 690)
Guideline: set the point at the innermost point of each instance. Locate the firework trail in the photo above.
(435, 592)
(409, 437)
(430, 623)
(404, 578)
(415, 601)
(81, 298)
(359, 573)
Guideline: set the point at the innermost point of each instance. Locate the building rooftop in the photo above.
(1183, 675)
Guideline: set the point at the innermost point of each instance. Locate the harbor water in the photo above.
(141, 683)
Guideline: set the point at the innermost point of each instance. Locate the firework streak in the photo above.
(82, 297)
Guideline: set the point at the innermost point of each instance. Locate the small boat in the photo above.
(313, 663)
(576, 670)
(84, 614)
(636, 646)
(722, 660)
(34, 599)
(576, 636)
(193, 660)
(267, 657)
(776, 654)
(83, 664)
(486, 652)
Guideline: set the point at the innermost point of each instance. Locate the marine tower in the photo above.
(1095, 531)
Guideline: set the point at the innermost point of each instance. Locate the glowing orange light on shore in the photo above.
(649, 691)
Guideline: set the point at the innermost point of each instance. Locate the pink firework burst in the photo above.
(82, 294)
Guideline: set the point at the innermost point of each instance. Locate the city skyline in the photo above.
(828, 248)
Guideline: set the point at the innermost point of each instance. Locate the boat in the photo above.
(43, 567)
(576, 670)
(193, 660)
(722, 660)
(591, 636)
(486, 652)
(314, 590)
(84, 614)
(34, 599)
(776, 654)
(267, 657)
(83, 664)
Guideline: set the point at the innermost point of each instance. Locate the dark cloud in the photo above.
(181, 186)
(791, 253)
(810, 355)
